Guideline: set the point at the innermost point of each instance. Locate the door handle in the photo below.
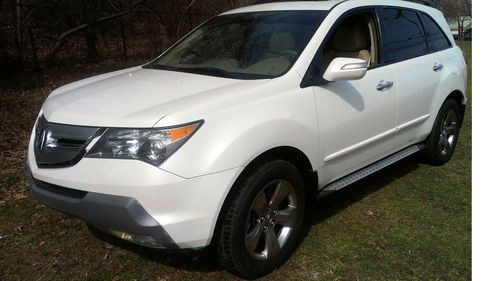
(437, 67)
(384, 85)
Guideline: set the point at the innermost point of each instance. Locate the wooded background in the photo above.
(38, 34)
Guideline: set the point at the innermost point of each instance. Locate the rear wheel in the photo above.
(262, 225)
(444, 136)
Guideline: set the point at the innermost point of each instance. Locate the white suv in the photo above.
(220, 140)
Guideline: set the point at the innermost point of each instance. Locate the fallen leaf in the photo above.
(20, 196)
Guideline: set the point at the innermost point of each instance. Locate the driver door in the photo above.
(357, 118)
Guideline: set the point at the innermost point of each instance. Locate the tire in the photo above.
(259, 233)
(441, 143)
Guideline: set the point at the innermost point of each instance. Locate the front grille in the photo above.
(59, 145)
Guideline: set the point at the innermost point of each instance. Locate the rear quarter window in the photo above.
(402, 35)
(436, 39)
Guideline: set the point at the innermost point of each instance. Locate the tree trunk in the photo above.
(33, 49)
(124, 39)
(19, 32)
(91, 42)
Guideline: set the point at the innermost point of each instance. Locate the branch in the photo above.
(160, 17)
(184, 13)
(113, 5)
(61, 38)
(189, 6)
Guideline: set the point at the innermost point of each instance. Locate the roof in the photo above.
(289, 6)
(320, 5)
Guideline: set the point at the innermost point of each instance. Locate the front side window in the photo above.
(402, 35)
(436, 39)
(353, 37)
(256, 45)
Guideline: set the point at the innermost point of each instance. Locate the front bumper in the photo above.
(109, 213)
(135, 197)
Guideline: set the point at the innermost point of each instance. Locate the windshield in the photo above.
(256, 45)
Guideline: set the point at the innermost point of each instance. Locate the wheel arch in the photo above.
(460, 98)
(288, 153)
(291, 154)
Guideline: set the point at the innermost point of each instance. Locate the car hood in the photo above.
(133, 97)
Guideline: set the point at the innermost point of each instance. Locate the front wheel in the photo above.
(444, 136)
(262, 224)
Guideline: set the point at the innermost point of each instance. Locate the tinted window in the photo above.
(244, 46)
(435, 37)
(402, 35)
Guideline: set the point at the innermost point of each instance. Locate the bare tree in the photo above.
(89, 28)
(459, 12)
(54, 30)
(467, 6)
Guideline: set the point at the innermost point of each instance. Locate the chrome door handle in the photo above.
(437, 67)
(384, 85)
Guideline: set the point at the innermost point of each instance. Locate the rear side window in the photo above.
(436, 39)
(402, 35)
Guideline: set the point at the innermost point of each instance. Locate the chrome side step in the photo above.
(369, 170)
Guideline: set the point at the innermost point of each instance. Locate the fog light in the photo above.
(143, 240)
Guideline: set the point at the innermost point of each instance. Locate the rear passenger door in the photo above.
(418, 67)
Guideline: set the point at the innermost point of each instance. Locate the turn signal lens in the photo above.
(179, 133)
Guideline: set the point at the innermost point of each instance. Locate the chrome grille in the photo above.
(59, 145)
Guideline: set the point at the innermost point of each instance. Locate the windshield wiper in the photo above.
(209, 70)
(213, 71)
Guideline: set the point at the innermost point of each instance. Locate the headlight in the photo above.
(150, 145)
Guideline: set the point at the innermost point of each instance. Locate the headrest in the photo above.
(351, 39)
(281, 41)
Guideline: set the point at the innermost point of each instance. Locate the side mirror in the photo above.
(345, 69)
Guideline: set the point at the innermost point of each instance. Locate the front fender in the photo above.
(234, 136)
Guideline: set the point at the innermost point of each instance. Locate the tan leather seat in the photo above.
(351, 41)
(275, 61)
(281, 41)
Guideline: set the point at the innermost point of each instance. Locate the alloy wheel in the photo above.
(448, 132)
(271, 218)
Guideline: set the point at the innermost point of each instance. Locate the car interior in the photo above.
(355, 37)
(279, 56)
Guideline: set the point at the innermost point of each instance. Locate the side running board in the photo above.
(369, 170)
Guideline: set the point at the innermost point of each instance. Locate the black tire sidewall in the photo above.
(432, 151)
(248, 266)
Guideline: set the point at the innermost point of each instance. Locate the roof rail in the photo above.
(430, 3)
